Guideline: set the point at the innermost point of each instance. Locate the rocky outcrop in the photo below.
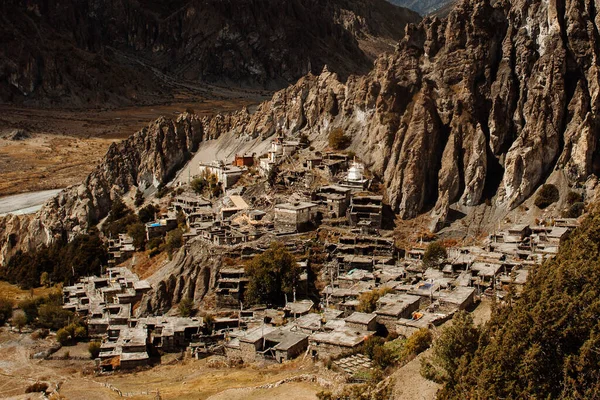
(191, 274)
(81, 53)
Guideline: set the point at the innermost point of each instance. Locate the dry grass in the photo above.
(13, 292)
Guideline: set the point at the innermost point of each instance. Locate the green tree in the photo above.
(417, 343)
(173, 240)
(435, 255)
(53, 316)
(199, 185)
(147, 213)
(137, 232)
(272, 275)
(6, 309)
(139, 198)
(30, 308)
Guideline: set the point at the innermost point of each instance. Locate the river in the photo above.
(25, 203)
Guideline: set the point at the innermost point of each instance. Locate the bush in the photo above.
(338, 139)
(94, 349)
(418, 342)
(186, 307)
(368, 300)
(547, 195)
(6, 310)
(19, 320)
(62, 336)
(37, 387)
(574, 211)
(574, 197)
(435, 255)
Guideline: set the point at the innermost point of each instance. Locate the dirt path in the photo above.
(410, 385)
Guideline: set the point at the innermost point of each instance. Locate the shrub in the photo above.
(19, 320)
(547, 195)
(338, 140)
(6, 310)
(574, 211)
(368, 300)
(139, 198)
(62, 336)
(37, 387)
(418, 342)
(435, 255)
(574, 197)
(186, 307)
(94, 349)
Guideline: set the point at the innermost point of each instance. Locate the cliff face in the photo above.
(122, 51)
(481, 105)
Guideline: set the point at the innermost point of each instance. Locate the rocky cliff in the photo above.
(78, 53)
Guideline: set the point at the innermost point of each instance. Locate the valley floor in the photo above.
(65, 145)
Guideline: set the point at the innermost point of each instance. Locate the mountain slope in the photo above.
(424, 7)
(124, 51)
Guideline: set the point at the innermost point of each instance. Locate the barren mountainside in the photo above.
(78, 53)
(424, 7)
(481, 106)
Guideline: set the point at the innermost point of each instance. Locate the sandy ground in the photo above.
(25, 203)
